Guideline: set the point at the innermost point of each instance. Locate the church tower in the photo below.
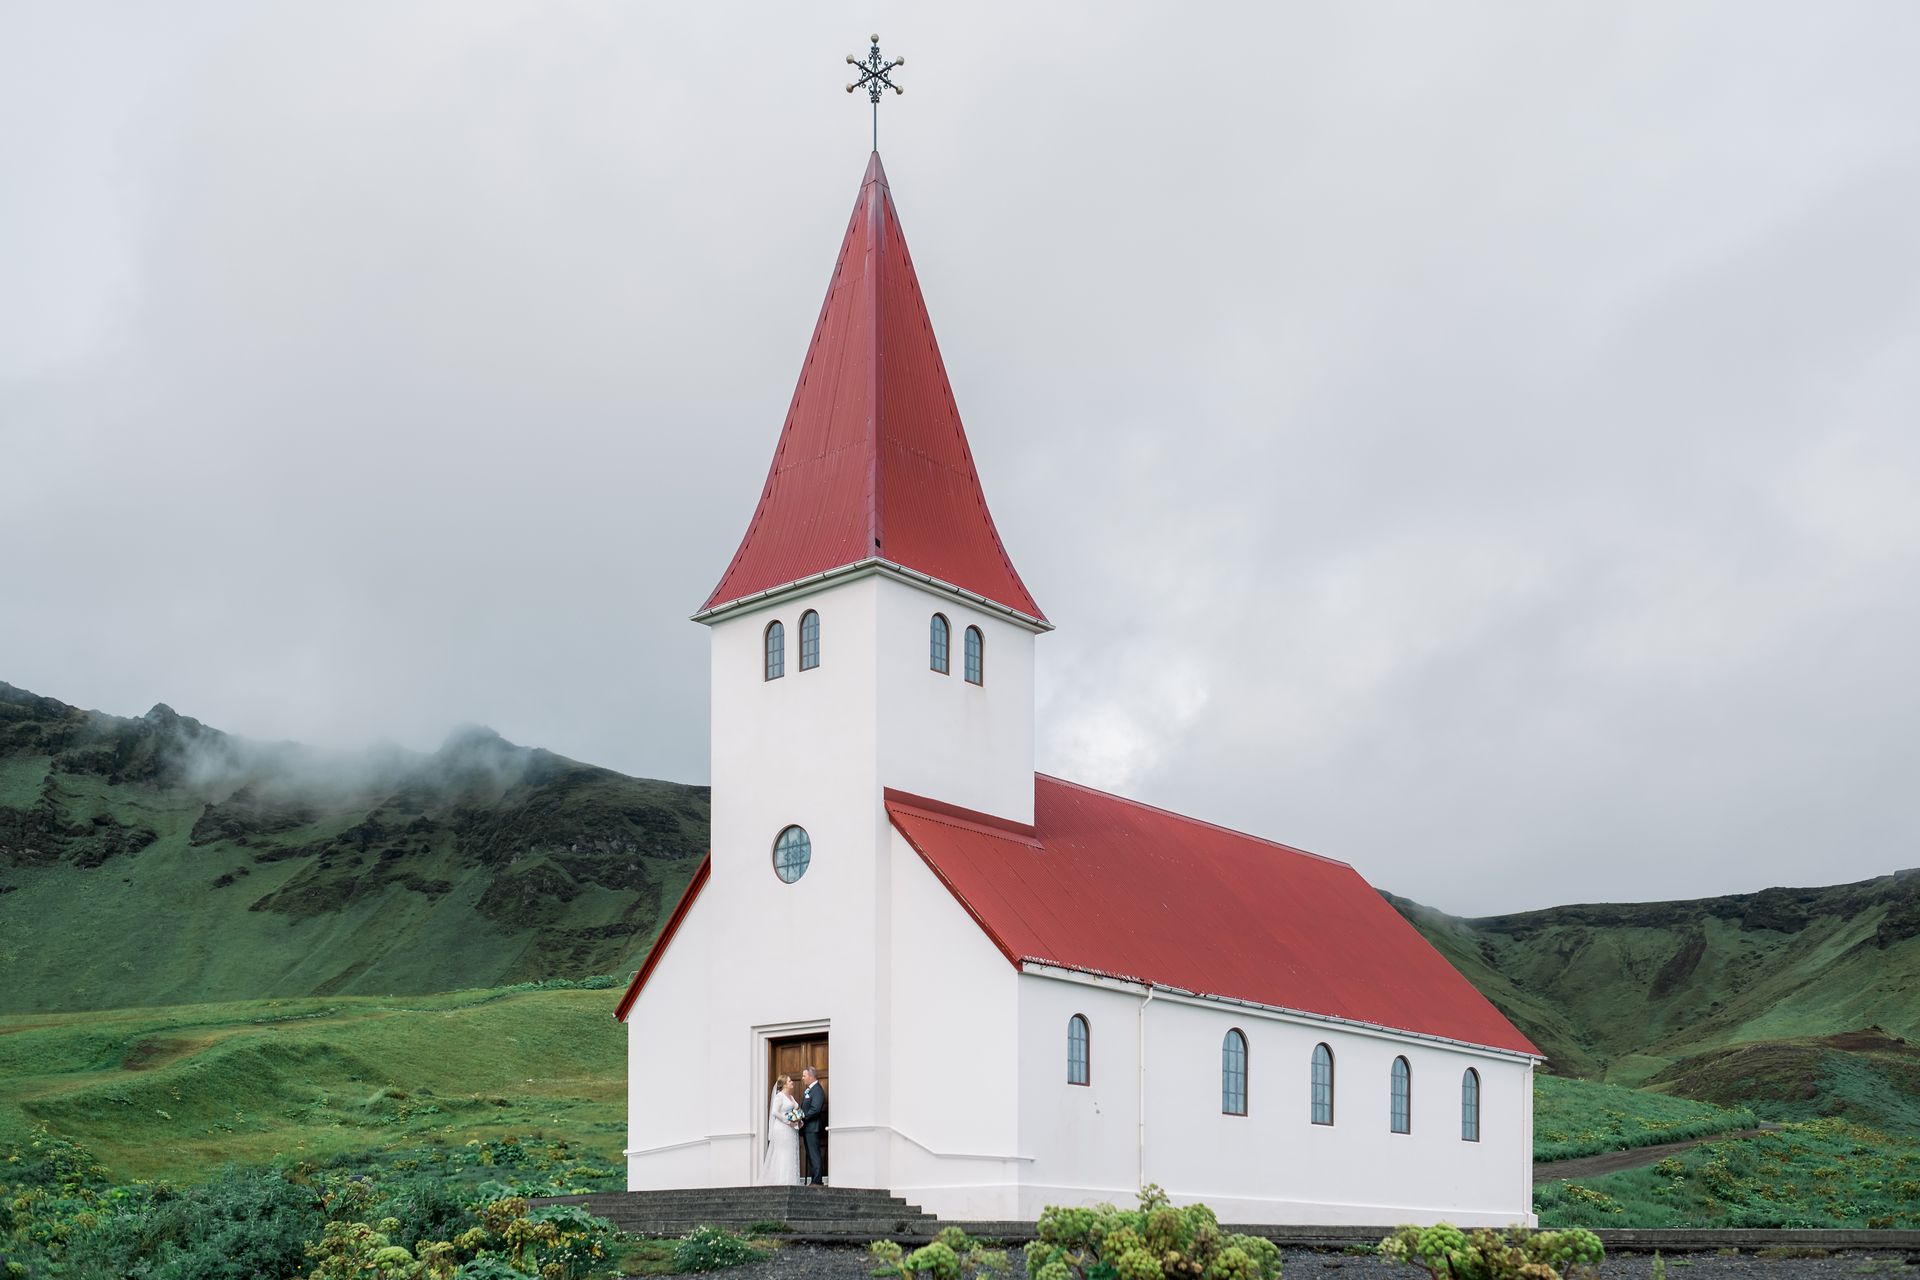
(870, 631)
(870, 634)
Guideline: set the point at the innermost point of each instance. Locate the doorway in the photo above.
(788, 1056)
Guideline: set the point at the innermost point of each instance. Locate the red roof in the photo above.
(1109, 886)
(873, 463)
(701, 874)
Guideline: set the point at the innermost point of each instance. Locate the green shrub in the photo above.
(953, 1255)
(711, 1249)
(1445, 1252)
(1154, 1242)
(239, 1224)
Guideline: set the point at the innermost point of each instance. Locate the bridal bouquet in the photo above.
(792, 1116)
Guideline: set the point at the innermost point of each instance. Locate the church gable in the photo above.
(667, 933)
(1108, 886)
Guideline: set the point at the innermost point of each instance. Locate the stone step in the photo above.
(749, 1194)
(846, 1214)
(887, 1221)
(842, 1231)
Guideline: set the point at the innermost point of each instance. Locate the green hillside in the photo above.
(156, 860)
(174, 1092)
(1625, 992)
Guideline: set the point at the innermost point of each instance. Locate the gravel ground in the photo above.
(814, 1262)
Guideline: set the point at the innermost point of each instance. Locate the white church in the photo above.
(1019, 991)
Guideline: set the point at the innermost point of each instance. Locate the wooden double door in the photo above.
(791, 1055)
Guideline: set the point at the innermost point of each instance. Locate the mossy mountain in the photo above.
(157, 860)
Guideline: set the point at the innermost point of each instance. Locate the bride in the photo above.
(781, 1167)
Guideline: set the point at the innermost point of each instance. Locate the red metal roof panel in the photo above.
(1110, 886)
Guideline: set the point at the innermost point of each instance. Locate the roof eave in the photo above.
(1053, 968)
(873, 566)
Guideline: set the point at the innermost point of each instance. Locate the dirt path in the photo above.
(1633, 1158)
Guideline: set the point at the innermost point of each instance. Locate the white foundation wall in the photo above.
(941, 737)
(1273, 1165)
(956, 1101)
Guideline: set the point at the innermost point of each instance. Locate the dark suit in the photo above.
(813, 1123)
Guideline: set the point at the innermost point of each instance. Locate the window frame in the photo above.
(976, 657)
(942, 648)
(810, 640)
(773, 651)
(1321, 1051)
(1084, 1043)
(1470, 1105)
(806, 844)
(1400, 1096)
(1227, 1071)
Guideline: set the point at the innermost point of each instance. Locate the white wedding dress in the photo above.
(781, 1167)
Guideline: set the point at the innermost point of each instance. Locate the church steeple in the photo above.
(872, 469)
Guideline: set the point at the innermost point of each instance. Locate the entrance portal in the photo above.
(788, 1056)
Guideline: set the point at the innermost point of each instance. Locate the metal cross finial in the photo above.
(874, 76)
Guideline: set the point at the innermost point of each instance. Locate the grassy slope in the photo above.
(172, 1092)
(1865, 1077)
(1823, 1174)
(1626, 991)
(1584, 1117)
(127, 878)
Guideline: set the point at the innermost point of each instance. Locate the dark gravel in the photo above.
(817, 1262)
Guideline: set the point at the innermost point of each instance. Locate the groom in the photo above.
(813, 1123)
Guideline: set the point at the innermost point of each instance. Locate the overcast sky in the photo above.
(1477, 442)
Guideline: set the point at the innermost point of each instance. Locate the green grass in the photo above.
(173, 1092)
(1826, 1173)
(1584, 1118)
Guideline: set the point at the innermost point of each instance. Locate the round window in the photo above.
(791, 854)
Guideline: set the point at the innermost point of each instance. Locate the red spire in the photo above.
(873, 463)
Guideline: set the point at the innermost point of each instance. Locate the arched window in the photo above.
(1077, 1062)
(776, 651)
(1470, 1106)
(1402, 1096)
(792, 852)
(809, 640)
(1233, 1074)
(938, 633)
(1322, 1084)
(976, 656)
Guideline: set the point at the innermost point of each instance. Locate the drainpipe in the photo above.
(1141, 1064)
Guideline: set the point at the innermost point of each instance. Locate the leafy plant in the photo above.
(1154, 1242)
(1445, 1252)
(953, 1255)
(711, 1249)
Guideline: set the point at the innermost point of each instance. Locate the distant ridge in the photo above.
(1629, 990)
(157, 860)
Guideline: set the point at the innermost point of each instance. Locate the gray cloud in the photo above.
(1475, 443)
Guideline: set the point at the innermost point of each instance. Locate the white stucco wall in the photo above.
(667, 1034)
(1274, 1165)
(964, 744)
(956, 1110)
(1084, 1139)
